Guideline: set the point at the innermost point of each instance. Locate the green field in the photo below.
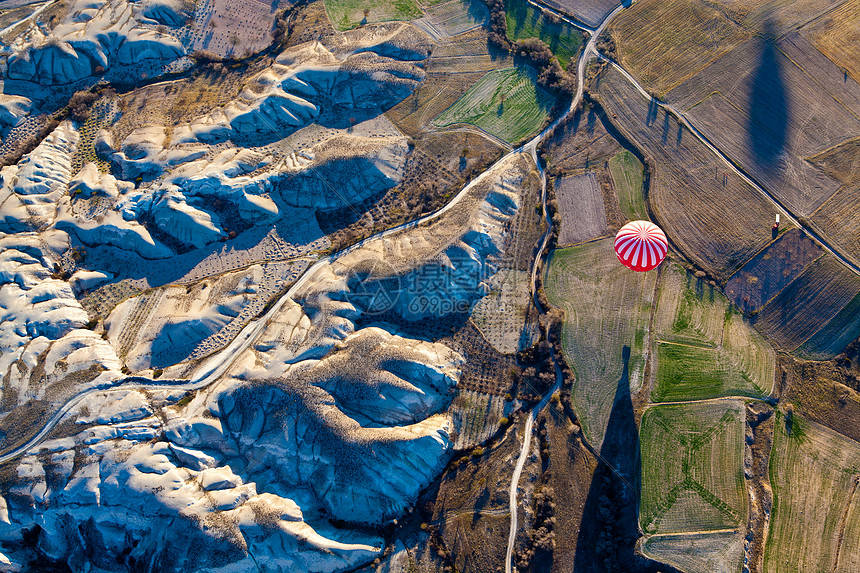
(814, 473)
(692, 468)
(712, 552)
(626, 173)
(607, 307)
(705, 349)
(693, 373)
(526, 21)
(506, 103)
(347, 14)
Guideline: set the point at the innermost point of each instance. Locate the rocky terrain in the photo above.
(262, 425)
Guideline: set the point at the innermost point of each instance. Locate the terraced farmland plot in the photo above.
(834, 336)
(773, 269)
(663, 43)
(581, 143)
(234, 28)
(718, 552)
(839, 37)
(527, 21)
(607, 308)
(813, 472)
(453, 17)
(692, 468)
(506, 103)
(476, 417)
(689, 185)
(694, 373)
(466, 52)
(689, 310)
(705, 349)
(347, 14)
(580, 202)
(782, 15)
(841, 86)
(626, 173)
(435, 94)
(849, 555)
(839, 216)
(501, 315)
(768, 114)
(809, 303)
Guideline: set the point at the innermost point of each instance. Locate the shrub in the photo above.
(80, 103)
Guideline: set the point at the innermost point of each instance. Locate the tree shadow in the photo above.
(610, 521)
(591, 121)
(573, 125)
(769, 112)
(666, 126)
(476, 10)
(653, 108)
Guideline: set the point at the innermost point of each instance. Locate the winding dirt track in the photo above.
(531, 148)
(218, 364)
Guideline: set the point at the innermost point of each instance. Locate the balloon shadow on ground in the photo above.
(610, 521)
(769, 112)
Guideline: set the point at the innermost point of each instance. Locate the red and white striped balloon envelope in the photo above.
(641, 245)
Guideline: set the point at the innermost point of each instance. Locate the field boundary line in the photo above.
(662, 341)
(462, 126)
(702, 401)
(815, 80)
(699, 532)
(831, 148)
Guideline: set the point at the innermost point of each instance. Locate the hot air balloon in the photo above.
(641, 245)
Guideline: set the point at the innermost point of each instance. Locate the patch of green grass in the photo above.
(705, 350)
(626, 173)
(606, 309)
(348, 14)
(692, 467)
(526, 21)
(506, 103)
(695, 373)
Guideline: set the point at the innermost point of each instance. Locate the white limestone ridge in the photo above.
(30, 190)
(303, 83)
(94, 36)
(320, 419)
(42, 339)
(13, 108)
